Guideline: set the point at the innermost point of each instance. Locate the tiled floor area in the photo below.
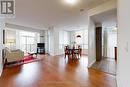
(106, 65)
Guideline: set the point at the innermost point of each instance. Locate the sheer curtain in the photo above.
(28, 41)
(64, 39)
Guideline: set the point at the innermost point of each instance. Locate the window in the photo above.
(10, 38)
(63, 39)
(28, 41)
(83, 40)
(79, 40)
(24, 40)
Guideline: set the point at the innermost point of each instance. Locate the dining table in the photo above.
(74, 52)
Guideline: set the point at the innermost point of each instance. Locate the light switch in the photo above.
(127, 46)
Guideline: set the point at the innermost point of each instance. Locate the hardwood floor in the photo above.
(56, 72)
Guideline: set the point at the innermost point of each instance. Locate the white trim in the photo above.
(118, 80)
(89, 65)
(24, 28)
(103, 8)
(52, 54)
(1, 68)
(1, 71)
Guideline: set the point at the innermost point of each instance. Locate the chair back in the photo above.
(66, 48)
(80, 49)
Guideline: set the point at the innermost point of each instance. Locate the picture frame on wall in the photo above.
(3, 36)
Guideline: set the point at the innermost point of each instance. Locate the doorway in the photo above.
(106, 41)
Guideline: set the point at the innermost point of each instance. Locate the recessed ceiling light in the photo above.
(71, 2)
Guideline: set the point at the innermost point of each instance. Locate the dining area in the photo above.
(73, 52)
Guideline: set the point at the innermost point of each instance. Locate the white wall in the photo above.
(91, 43)
(2, 25)
(24, 28)
(42, 36)
(123, 72)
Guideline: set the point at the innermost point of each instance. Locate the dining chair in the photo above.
(80, 51)
(67, 52)
(75, 52)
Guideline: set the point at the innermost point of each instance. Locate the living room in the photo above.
(56, 19)
(20, 43)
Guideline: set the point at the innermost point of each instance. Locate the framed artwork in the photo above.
(3, 36)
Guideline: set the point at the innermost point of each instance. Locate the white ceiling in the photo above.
(107, 19)
(41, 14)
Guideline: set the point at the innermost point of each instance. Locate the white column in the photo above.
(2, 25)
(91, 43)
(51, 47)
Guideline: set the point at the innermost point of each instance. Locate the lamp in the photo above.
(10, 42)
(78, 36)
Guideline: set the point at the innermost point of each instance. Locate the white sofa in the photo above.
(13, 55)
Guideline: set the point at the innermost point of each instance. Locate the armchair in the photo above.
(14, 55)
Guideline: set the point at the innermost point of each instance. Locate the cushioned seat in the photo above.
(13, 55)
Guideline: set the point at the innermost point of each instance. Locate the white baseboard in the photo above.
(0, 73)
(1, 70)
(119, 82)
(52, 54)
(89, 65)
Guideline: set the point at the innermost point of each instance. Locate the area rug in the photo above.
(26, 59)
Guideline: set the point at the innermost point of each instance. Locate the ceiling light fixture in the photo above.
(71, 2)
(78, 36)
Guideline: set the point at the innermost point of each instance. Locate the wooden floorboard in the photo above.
(56, 72)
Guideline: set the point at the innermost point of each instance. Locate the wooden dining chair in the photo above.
(80, 51)
(75, 53)
(67, 52)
